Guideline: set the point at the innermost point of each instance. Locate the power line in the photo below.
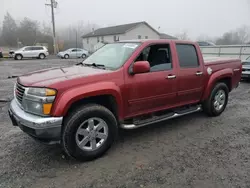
(53, 4)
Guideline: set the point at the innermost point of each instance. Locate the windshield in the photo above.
(248, 58)
(112, 56)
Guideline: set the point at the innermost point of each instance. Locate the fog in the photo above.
(196, 17)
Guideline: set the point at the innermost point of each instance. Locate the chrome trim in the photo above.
(133, 126)
(33, 121)
(236, 70)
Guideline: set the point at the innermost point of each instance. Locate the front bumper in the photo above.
(45, 129)
(60, 55)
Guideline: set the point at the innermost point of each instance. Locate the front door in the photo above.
(73, 53)
(27, 52)
(191, 76)
(155, 90)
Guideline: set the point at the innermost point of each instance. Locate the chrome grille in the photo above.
(19, 92)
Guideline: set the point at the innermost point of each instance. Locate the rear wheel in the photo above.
(84, 56)
(217, 101)
(89, 132)
(42, 56)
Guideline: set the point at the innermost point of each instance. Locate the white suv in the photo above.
(31, 52)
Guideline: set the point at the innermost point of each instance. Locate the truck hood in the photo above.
(50, 76)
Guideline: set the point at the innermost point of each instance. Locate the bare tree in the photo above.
(183, 36)
(28, 31)
(9, 31)
(71, 36)
(238, 36)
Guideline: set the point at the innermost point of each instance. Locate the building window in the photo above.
(87, 40)
(146, 37)
(116, 38)
(139, 36)
(98, 40)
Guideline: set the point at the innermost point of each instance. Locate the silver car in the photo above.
(246, 69)
(73, 53)
(31, 52)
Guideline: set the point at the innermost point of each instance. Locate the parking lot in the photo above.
(192, 151)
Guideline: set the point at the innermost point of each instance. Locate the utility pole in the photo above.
(53, 4)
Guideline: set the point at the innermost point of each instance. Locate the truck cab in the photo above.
(127, 84)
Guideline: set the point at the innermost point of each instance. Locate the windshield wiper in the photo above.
(94, 65)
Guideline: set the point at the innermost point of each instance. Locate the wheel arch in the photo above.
(224, 76)
(106, 94)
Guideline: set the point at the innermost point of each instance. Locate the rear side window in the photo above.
(187, 55)
(37, 48)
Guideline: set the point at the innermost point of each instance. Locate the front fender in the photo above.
(215, 77)
(66, 99)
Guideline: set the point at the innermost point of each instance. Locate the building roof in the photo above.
(114, 30)
(165, 36)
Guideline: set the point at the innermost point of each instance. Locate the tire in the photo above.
(211, 106)
(18, 57)
(84, 56)
(71, 139)
(41, 56)
(66, 56)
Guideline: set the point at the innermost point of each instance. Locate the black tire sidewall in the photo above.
(21, 57)
(219, 86)
(66, 56)
(84, 56)
(42, 55)
(70, 128)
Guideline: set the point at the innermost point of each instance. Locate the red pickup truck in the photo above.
(127, 84)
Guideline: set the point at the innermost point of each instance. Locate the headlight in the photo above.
(39, 100)
(41, 92)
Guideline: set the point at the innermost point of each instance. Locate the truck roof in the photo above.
(156, 41)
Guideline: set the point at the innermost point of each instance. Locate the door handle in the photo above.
(199, 73)
(171, 77)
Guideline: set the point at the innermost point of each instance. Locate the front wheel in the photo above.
(217, 101)
(89, 132)
(84, 56)
(66, 56)
(18, 57)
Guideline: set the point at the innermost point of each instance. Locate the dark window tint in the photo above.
(158, 57)
(187, 55)
(37, 48)
(74, 50)
(28, 48)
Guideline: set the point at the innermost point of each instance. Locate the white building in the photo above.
(138, 30)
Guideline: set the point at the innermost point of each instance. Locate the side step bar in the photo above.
(175, 115)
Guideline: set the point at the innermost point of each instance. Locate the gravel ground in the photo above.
(192, 151)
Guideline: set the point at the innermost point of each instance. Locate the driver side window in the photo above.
(158, 56)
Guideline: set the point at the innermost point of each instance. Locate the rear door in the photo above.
(36, 51)
(191, 77)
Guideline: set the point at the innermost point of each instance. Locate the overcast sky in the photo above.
(197, 17)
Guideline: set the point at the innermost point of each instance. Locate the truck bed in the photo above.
(218, 60)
